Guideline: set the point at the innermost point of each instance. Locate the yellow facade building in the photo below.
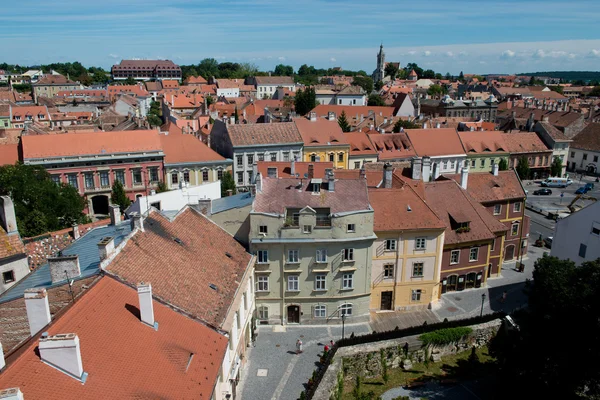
(323, 141)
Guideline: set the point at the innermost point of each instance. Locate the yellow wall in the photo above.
(324, 154)
(195, 174)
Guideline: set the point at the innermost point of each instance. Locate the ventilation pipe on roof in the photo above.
(472, 128)
(136, 221)
(38, 309)
(146, 307)
(330, 181)
(62, 351)
(293, 167)
(115, 214)
(464, 177)
(387, 175)
(495, 168)
(424, 125)
(11, 394)
(437, 125)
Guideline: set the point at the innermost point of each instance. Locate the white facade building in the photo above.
(577, 237)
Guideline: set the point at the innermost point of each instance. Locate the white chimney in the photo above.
(75, 231)
(416, 168)
(136, 221)
(387, 175)
(115, 214)
(11, 394)
(146, 306)
(495, 168)
(62, 352)
(38, 309)
(426, 175)
(63, 268)
(464, 177)
(2, 362)
(437, 125)
(8, 218)
(106, 247)
(313, 116)
(331, 116)
(424, 125)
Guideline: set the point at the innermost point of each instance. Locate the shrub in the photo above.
(444, 336)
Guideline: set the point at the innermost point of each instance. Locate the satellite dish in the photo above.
(306, 175)
(297, 175)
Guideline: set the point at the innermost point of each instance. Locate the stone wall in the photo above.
(365, 359)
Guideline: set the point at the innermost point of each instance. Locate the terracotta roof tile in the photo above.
(486, 142)
(392, 146)
(274, 80)
(524, 142)
(588, 138)
(9, 153)
(195, 80)
(435, 142)
(360, 144)
(191, 267)
(320, 132)
(180, 148)
(10, 245)
(450, 202)
(553, 132)
(351, 111)
(54, 80)
(284, 169)
(485, 187)
(560, 119)
(71, 144)
(257, 134)
(124, 358)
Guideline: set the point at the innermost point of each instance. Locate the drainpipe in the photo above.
(395, 273)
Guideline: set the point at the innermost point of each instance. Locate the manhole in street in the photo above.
(302, 336)
(452, 309)
(458, 298)
(262, 372)
(277, 345)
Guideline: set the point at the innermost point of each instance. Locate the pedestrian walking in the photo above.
(405, 347)
(298, 346)
(325, 350)
(331, 344)
(503, 299)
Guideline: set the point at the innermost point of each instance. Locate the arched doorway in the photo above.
(100, 205)
(293, 314)
(509, 253)
(591, 169)
(471, 277)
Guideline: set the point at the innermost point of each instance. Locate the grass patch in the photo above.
(445, 336)
(465, 365)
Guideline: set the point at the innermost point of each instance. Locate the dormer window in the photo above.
(316, 188)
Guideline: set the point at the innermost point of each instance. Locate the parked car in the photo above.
(548, 241)
(589, 186)
(542, 192)
(582, 190)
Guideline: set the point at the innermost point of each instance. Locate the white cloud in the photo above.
(113, 55)
(508, 54)
(551, 53)
(426, 53)
(332, 59)
(449, 54)
(412, 52)
(281, 58)
(594, 53)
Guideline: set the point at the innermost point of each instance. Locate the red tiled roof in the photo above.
(451, 203)
(55, 80)
(33, 111)
(124, 358)
(284, 169)
(137, 90)
(435, 142)
(484, 142)
(10, 245)
(257, 134)
(588, 138)
(180, 148)
(392, 146)
(181, 274)
(100, 143)
(320, 132)
(170, 83)
(322, 110)
(195, 80)
(485, 187)
(274, 80)
(9, 153)
(257, 107)
(524, 142)
(360, 144)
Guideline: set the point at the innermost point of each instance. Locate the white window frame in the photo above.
(321, 283)
(497, 207)
(452, 252)
(517, 207)
(348, 281)
(422, 264)
(416, 295)
(261, 313)
(348, 254)
(345, 309)
(320, 311)
(263, 229)
(388, 271)
(306, 228)
(512, 228)
(262, 283)
(293, 283)
(321, 256)
(391, 244)
(471, 258)
(262, 257)
(293, 256)
(420, 243)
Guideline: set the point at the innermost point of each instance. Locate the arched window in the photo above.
(346, 309)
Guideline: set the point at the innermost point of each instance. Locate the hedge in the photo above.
(445, 336)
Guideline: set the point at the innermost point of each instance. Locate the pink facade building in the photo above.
(92, 162)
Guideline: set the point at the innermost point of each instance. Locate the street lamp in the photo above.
(482, 301)
(343, 321)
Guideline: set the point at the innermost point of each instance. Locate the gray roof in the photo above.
(230, 202)
(89, 260)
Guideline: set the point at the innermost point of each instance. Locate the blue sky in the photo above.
(445, 35)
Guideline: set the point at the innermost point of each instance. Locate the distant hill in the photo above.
(568, 75)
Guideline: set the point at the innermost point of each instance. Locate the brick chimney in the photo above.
(115, 214)
(11, 393)
(311, 171)
(38, 309)
(62, 267)
(146, 305)
(8, 218)
(387, 175)
(330, 181)
(76, 231)
(62, 351)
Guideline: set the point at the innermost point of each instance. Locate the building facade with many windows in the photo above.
(313, 244)
(92, 162)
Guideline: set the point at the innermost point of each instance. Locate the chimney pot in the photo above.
(464, 177)
(331, 181)
(146, 304)
(62, 351)
(106, 247)
(115, 214)
(38, 309)
(495, 168)
(426, 174)
(416, 165)
(136, 221)
(11, 393)
(75, 231)
(313, 116)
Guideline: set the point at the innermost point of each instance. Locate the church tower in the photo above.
(379, 73)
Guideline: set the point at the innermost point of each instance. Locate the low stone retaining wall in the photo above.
(365, 359)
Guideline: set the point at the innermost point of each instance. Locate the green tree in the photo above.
(503, 164)
(375, 100)
(343, 122)
(100, 77)
(556, 167)
(402, 124)
(523, 168)
(227, 183)
(391, 70)
(208, 67)
(118, 196)
(378, 85)
(129, 81)
(305, 101)
(40, 204)
(564, 297)
(418, 70)
(428, 74)
(461, 76)
(209, 100)
(283, 70)
(161, 187)
(365, 82)
(436, 90)
(154, 120)
(595, 92)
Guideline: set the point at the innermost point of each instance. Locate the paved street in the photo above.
(540, 224)
(283, 373)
